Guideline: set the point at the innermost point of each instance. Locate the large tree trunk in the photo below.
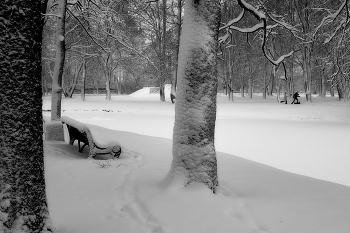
(23, 205)
(56, 95)
(195, 110)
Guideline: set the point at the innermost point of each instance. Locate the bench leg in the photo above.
(81, 149)
(71, 141)
(79, 146)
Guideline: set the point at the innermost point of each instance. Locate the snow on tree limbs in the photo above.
(262, 25)
(23, 204)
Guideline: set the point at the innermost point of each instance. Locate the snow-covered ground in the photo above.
(282, 168)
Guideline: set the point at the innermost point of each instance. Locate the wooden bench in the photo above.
(83, 133)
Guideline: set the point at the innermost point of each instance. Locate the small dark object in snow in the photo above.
(295, 98)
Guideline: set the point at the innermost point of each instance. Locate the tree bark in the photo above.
(83, 80)
(74, 82)
(108, 87)
(176, 55)
(56, 95)
(23, 205)
(194, 153)
(323, 84)
(273, 80)
(307, 72)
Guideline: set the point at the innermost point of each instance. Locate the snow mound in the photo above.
(146, 92)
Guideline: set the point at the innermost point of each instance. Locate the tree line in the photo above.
(126, 45)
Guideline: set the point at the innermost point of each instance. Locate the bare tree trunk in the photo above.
(56, 95)
(46, 91)
(250, 86)
(194, 153)
(176, 55)
(242, 89)
(323, 86)
(264, 87)
(23, 204)
(230, 74)
(83, 80)
(108, 87)
(73, 84)
(307, 72)
(291, 81)
(331, 90)
(278, 90)
(273, 80)
(163, 55)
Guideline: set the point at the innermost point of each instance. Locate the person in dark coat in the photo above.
(295, 97)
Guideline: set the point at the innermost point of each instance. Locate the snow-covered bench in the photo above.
(97, 138)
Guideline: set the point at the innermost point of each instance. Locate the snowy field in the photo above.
(282, 169)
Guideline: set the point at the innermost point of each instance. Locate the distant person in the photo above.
(295, 97)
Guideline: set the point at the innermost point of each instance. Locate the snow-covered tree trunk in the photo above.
(56, 95)
(23, 205)
(195, 109)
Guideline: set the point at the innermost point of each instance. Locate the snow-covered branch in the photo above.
(87, 32)
(331, 17)
(262, 25)
(233, 21)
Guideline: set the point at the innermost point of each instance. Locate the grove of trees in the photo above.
(122, 46)
(266, 46)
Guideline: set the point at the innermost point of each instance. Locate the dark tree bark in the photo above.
(22, 183)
